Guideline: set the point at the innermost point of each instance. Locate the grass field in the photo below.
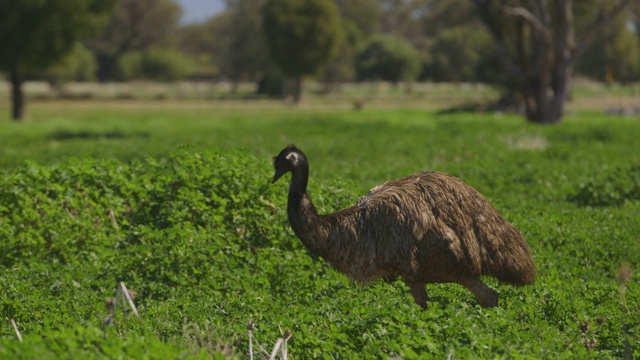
(173, 198)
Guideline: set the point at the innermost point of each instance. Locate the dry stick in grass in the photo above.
(129, 298)
(281, 344)
(276, 347)
(112, 216)
(286, 336)
(15, 327)
(250, 328)
(112, 303)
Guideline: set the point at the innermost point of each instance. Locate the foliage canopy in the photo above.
(538, 44)
(302, 35)
(35, 34)
(134, 25)
(389, 58)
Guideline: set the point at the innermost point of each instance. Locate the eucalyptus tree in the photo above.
(538, 42)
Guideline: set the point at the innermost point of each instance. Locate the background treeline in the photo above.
(528, 50)
(390, 40)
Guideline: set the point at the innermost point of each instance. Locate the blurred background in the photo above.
(528, 52)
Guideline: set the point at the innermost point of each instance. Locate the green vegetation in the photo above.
(134, 26)
(276, 44)
(34, 37)
(100, 192)
(389, 58)
(302, 36)
(154, 64)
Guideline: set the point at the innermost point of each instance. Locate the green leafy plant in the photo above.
(610, 187)
(202, 236)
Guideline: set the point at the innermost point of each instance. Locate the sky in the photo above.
(199, 10)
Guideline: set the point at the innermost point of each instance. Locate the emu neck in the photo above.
(299, 180)
(303, 216)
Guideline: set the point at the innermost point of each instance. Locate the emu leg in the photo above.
(485, 295)
(419, 293)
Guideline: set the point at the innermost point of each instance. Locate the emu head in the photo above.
(286, 161)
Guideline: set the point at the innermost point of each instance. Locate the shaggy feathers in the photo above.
(428, 227)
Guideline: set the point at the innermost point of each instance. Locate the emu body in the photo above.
(428, 227)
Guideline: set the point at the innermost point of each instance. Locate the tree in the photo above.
(134, 25)
(200, 41)
(537, 46)
(302, 36)
(359, 21)
(457, 54)
(401, 17)
(35, 34)
(246, 56)
(77, 65)
(614, 54)
(387, 57)
(438, 15)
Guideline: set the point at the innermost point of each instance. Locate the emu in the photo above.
(428, 227)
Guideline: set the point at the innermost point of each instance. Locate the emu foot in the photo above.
(486, 296)
(420, 295)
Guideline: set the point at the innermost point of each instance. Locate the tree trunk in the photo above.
(552, 83)
(544, 103)
(545, 48)
(17, 97)
(106, 65)
(297, 89)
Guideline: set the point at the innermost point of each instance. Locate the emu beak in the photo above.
(277, 175)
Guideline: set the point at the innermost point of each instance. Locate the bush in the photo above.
(203, 238)
(129, 67)
(456, 55)
(206, 226)
(78, 65)
(154, 64)
(613, 187)
(66, 213)
(389, 58)
(165, 65)
(96, 343)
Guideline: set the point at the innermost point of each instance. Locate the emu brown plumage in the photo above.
(428, 227)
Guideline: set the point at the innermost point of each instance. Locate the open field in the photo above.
(173, 198)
